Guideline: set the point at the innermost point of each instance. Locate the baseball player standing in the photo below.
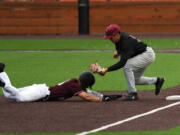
(60, 92)
(135, 57)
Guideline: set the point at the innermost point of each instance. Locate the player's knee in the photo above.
(20, 97)
(137, 81)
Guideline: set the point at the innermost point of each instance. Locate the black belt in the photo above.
(44, 98)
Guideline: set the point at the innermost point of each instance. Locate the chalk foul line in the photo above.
(129, 119)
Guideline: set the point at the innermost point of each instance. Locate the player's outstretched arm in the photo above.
(92, 97)
(104, 97)
(89, 97)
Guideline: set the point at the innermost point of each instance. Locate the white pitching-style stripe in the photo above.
(129, 119)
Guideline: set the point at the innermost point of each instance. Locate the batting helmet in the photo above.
(87, 79)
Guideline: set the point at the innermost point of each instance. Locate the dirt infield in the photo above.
(77, 115)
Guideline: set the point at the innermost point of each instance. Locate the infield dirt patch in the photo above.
(77, 115)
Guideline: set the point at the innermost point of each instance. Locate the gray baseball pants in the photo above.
(135, 67)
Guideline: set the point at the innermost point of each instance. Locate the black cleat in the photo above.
(159, 85)
(2, 66)
(131, 97)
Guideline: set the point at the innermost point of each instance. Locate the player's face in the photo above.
(115, 38)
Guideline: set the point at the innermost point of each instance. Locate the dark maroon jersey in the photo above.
(65, 90)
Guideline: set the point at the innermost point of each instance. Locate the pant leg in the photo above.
(129, 75)
(4, 77)
(136, 66)
(8, 94)
(33, 93)
(28, 93)
(142, 80)
(25, 94)
(9, 91)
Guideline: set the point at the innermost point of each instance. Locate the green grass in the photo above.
(40, 134)
(55, 44)
(174, 131)
(54, 67)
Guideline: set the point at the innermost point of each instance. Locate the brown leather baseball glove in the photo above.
(95, 67)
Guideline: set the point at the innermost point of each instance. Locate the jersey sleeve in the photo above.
(77, 93)
(124, 57)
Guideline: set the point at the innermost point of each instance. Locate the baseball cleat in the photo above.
(2, 66)
(131, 97)
(159, 84)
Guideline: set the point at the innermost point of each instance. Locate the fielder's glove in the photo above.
(110, 97)
(96, 68)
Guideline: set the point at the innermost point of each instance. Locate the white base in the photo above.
(174, 97)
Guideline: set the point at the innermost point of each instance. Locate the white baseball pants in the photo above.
(135, 67)
(25, 94)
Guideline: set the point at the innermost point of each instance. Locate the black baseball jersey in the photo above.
(127, 47)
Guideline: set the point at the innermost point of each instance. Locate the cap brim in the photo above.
(107, 36)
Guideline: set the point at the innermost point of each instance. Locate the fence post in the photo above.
(83, 8)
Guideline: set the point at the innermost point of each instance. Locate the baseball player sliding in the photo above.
(135, 57)
(60, 92)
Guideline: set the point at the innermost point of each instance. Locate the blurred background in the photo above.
(89, 17)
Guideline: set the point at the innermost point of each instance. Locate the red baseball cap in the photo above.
(111, 30)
